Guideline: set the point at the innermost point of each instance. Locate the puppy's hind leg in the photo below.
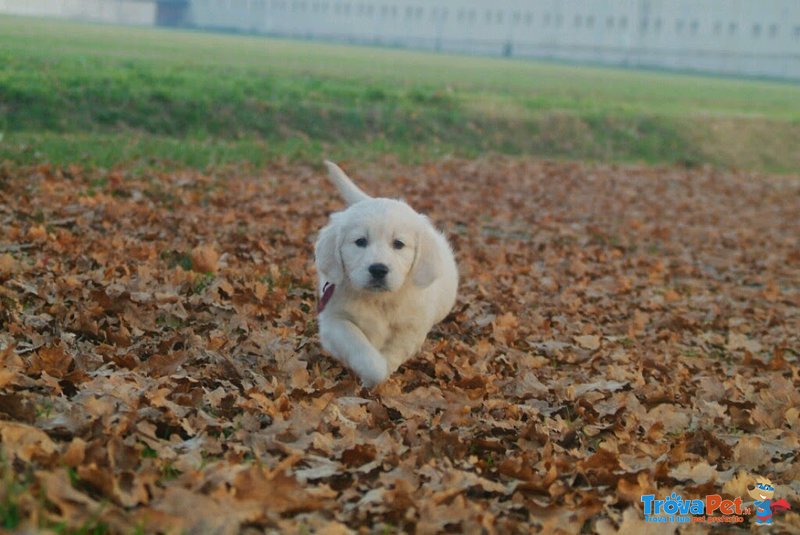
(345, 341)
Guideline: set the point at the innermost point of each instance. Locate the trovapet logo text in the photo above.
(674, 508)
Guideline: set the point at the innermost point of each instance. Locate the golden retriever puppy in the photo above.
(386, 276)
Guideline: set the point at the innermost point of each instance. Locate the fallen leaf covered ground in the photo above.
(620, 330)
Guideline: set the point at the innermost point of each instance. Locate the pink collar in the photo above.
(327, 293)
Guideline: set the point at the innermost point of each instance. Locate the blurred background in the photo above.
(212, 82)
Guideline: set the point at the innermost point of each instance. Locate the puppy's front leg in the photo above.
(345, 341)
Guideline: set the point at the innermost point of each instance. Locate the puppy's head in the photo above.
(377, 245)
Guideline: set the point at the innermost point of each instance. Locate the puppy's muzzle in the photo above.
(378, 272)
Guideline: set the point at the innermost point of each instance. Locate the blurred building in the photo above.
(134, 12)
(748, 37)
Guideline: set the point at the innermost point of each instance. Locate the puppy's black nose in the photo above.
(378, 271)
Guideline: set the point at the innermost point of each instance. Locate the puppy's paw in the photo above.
(374, 374)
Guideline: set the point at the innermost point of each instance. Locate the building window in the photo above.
(610, 22)
(694, 27)
(578, 21)
(797, 32)
(732, 27)
(559, 20)
(516, 17)
(528, 18)
(498, 17)
(488, 17)
(546, 19)
(756, 30)
(590, 21)
(773, 30)
(657, 24)
(679, 26)
(717, 28)
(623, 22)
(473, 15)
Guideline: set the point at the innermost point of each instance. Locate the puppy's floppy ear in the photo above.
(328, 257)
(427, 260)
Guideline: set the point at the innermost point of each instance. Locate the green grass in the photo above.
(103, 95)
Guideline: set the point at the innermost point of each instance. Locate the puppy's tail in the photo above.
(349, 191)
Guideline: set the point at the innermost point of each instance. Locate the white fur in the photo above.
(371, 327)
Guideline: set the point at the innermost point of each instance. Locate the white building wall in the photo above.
(133, 12)
(752, 37)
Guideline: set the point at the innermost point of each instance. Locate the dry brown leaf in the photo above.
(75, 453)
(73, 506)
(699, 473)
(749, 453)
(273, 490)
(740, 341)
(205, 259)
(671, 417)
(37, 233)
(8, 266)
(52, 360)
(633, 524)
(589, 341)
(180, 511)
(26, 443)
(738, 484)
(505, 328)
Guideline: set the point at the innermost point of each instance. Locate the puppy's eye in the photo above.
(361, 242)
(398, 244)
